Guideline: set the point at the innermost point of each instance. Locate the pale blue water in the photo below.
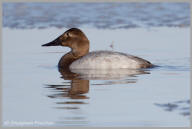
(36, 93)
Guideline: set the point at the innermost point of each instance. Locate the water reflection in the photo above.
(73, 89)
(71, 96)
(108, 74)
(79, 80)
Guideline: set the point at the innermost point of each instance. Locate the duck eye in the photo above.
(68, 35)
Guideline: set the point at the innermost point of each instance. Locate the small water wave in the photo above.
(99, 15)
(182, 106)
(172, 68)
(173, 64)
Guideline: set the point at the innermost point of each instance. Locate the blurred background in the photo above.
(98, 15)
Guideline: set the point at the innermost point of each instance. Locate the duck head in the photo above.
(73, 38)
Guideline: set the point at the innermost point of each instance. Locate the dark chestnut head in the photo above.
(73, 38)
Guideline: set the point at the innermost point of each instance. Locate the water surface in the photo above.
(97, 15)
(35, 91)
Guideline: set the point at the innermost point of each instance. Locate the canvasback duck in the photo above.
(80, 58)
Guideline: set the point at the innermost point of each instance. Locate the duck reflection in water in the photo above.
(73, 89)
(78, 85)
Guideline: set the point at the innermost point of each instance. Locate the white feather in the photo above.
(106, 60)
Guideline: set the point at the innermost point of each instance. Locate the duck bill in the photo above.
(55, 42)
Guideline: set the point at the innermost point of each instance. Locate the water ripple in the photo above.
(99, 15)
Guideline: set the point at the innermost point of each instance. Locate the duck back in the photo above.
(109, 60)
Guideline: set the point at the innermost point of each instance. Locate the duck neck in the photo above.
(69, 58)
